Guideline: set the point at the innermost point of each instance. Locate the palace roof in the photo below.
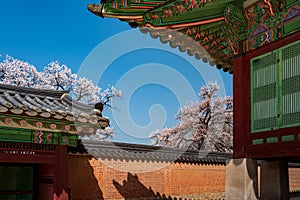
(46, 110)
(193, 26)
(214, 31)
(125, 151)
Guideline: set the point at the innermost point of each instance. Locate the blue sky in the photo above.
(155, 78)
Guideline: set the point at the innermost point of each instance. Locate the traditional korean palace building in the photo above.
(36, 128)
(257, 41)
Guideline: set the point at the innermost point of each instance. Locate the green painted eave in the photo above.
(207, 11)
(123, 12)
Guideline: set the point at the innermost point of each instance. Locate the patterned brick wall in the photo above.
(194, 179)
(114, 179)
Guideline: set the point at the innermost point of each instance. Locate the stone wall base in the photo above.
(241, 179)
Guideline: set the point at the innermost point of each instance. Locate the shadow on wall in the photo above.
(82, 179)
(133, 188)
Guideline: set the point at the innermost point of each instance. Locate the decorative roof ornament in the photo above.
(96, 9)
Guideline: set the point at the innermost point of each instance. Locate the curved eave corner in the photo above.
(101, 11)
(172, 33)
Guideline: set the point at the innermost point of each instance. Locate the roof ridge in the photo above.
(51, 104)
(35, 91)
(66, 97)
(145, 148)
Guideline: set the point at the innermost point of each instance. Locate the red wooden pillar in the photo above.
(61, 174)
(241, 109)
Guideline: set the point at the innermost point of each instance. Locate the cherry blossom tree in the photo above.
(95, 93)
(56, 76)
(19, 73)
(203, 125)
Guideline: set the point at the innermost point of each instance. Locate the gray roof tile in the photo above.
(46, 104)
(115, 150)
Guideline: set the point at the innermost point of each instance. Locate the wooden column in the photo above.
(61, 174)
(241, 113)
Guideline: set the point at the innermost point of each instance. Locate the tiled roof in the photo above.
(124, 151)
(47, 104)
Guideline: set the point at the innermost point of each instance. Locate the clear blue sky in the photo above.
(155, 78)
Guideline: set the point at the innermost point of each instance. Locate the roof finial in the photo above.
(98, 109)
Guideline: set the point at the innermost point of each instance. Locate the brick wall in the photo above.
(91, 179)
(115, 179)
(182, 178)
(294, 179)
(82, 180)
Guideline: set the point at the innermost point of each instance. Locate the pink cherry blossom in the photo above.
(203, 125)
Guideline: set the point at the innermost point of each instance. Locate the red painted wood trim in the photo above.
(287, 150)
(239, 131)
(61, 174)
(10, 158)
(21, 152)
